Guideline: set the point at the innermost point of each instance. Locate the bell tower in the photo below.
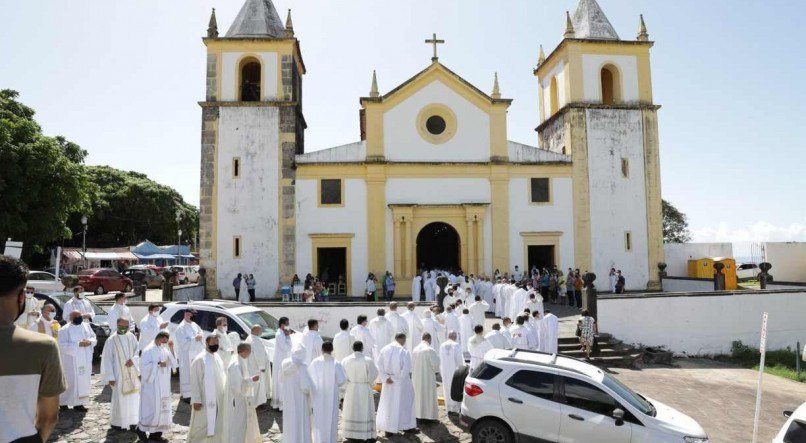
(596, 105)
(252, 126)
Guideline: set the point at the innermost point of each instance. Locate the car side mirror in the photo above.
(618, 414)
(787, 414)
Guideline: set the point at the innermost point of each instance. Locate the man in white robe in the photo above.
(424, 368)
(399, 325)
(497, 302)
(241, 385)
(449, 299)
(120, 310)
(396, 405)
(465, 329)
(497, 339)
(29, 313)
(120, 370)
(343, 341)
(312, 341)
(519, 333)
(415, 326)
(227, 341)
(76, 342)
(150, 325)
(358, 410)
(549, 330)
(535, 302)
(478, 346)
(297, 389)
(450, 359)
(430, 287)
(328, 376)
(433, 328)
(188, 337)
(382, 332)
(416, 286)
(78, 303)
(361, 332)
(478, 310)
(259, 365)
(282, 350)
(209, 415)
(46, 323)
(519, 298)
(156, 414)
(507, 327)
(533, 334)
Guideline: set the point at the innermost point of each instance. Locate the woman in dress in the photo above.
(587, 328)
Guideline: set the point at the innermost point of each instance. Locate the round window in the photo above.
(435, 125)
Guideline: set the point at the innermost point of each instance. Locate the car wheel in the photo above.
(458, 383)
(128, 288)
(100, 290)
(491, 431)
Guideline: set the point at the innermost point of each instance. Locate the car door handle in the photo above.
(515, 400)
(576, 417)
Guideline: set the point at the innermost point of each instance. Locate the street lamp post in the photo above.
(179, 236)
(84, 240)
(179, 246)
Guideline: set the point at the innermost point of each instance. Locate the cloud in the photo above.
(756, 232)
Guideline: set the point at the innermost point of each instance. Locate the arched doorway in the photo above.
(438, 247)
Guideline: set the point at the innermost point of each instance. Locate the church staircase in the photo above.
(611, 351)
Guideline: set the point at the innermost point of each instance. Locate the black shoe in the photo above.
(185, 400)
(116, 428)
(80, 409)
(389, 434)
(63, 408)
(141, 435)
(156, 436)
(412, 431)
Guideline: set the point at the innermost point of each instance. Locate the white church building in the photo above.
(433, 180)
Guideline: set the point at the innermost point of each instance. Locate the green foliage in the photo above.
(780, 362)
(675, 224)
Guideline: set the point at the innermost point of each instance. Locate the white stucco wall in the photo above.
(351, 218)
(402, 141)
(527, 217)
(229, 74)
(248, 205)
(705, 324)
(687, 285)
(545, 85)
(788, 260)
(592, 70)
(617, 204)
(677, 255)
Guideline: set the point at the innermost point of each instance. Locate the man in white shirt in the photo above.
(343, 341)
(78, 303)
(517, 275)
(120, 310)
(150, 325)
(497, 339)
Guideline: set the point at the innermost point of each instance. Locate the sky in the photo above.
(123, 78)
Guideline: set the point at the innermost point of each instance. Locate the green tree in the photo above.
(42, 180)
(675, 224)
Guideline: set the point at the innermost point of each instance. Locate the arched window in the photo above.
(250, 80)
(554, 96)
(611, 85)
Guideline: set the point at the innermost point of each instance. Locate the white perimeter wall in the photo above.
(402, 141)
(617, 204)
(527, 217)
(686, 285)
(678, 254)
(351, 218)
(788, 260)
(592, 76)
(705, 324)
(229, 74)
(248, 205)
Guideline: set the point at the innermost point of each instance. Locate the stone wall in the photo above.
(207, 195)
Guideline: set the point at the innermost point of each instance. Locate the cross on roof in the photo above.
(434, 41)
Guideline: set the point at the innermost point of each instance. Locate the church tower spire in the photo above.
(212, 27)
(569, 26)
(289, 25)
(643, 36)
(373, 91)
(496, 90)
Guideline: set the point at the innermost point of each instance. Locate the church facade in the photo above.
(433, 181)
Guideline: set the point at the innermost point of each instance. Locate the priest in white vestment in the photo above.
(358, 409)
(282, 350)
(76, 342)
(433, 328)
(150, 324)
(311, 340)
(497, 302)
(343, 341)
(211, 403)
(382, 332)
(415, 326)
(120, 310)
(477, 347)
(519, 333)
(478, 310)
(465, 329)
(497, 339)
(120, 370)
(227, 341)
(519, 298)
(416, 287)
(451, 322)
(533, 334)
(430, 287)
(396, 405)
(399, 325)
(450, 359)
(549, 330)
(259, 365)
(424, 368)
(361, 332)
(156, 414)
(188, 337)
(241, 385)
(29, 313)
(535, 303)
(46, 323)
(296, 390)
(328, 376)
(78, 303)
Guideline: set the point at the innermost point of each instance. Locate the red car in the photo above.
(103, 280)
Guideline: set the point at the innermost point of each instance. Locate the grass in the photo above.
(780, 362)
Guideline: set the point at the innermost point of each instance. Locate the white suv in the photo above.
(186, 274)
(516, 396)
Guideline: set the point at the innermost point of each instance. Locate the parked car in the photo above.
(186, 274)
(44, 281)
(794, 430)
(103, 280)
(99, 324)
(153, 279)
(240, 318)
(62, 272)
(750, 271)
(528, 395)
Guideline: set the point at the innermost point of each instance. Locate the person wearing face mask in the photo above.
(120, 310)
(78, 303)
(120, 370)
(29, 315)
(156, 414)
(188, 336)
(259, 364)
(282, 350)
(46, 324)
(242, 385)
(150, 324)
(76, 342)
(227, 341)
(209, 417)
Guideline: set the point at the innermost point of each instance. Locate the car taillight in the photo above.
(473, 390)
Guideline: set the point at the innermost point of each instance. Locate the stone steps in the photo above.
(611, 352)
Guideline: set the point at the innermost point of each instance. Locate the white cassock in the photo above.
(478, 309)
(76, 363)
(465, 330)
(508, 295)
(242, 426)
(382, 334)
(327, 375)
(519, 298)
(399, 325)
(424, 368)
(31, 304)
(364, 335)
(312, 342)
(433, 328)
(259, 365)
(520, 337)
(430, 292)
(149, 327)
(396, 406)
(498, 340)
(119, 311)
(488, 296)
(535, 305)
(358, 409)
(156, 414)
(227, 343)
(477, 346)
(447, 301)
(548, 330)
(46, 327)
(282, 350)
(118, 349)
(343, 345)
(532, 335)
(415, 329)
(613, 281)
(297, 388)
(187, 349)
(451, 323)
(81, 305)
(208, 386)
(416, 286)
(450, 359)
(497, 302)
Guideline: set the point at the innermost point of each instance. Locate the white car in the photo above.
(186, 274)
(794, 430)
(240, 318)
(750, 271)
(516, 396)
(44, 282)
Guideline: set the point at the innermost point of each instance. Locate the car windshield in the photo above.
(628, 395)
(61, 299)
(266, 321)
